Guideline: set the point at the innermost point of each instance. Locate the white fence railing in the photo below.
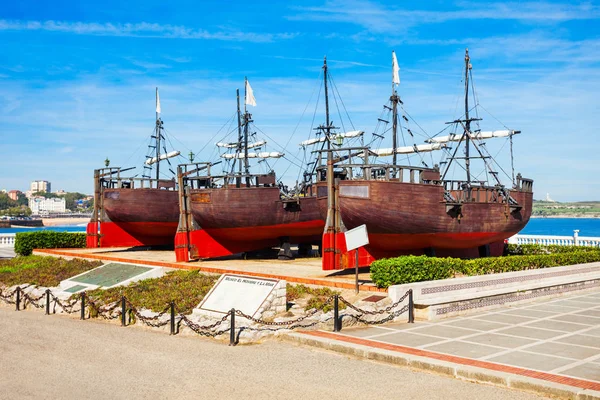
(7, 239)
(574, 240)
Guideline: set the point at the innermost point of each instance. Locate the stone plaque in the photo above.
(244, 293)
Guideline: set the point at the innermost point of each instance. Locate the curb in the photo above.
(450, 369)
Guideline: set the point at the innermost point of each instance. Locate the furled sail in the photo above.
(153, 160)
(409, 149)
(234, 145)
(264, 154)
(455, 137)
(337, 136)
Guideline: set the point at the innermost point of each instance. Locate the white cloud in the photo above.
(141, 29)
(379, 18)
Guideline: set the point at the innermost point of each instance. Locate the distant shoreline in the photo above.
(64, 221)
(592, 216)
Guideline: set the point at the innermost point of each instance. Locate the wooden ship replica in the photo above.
(132, 211)
(411, 209)
(241, 211)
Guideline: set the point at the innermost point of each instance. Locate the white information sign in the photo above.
(356, 237)
(243, 293)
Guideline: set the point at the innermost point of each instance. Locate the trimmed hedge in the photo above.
(407, 269)
(26, 242)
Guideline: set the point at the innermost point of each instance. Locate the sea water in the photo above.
(58, 228)
(562, 226)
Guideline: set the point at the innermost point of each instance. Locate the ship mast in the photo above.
(239, 116)
(247, 117)
(158, 134)
(467, 120)
(394, 99)
(330, 183)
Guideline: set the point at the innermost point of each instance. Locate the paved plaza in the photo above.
(559, 336)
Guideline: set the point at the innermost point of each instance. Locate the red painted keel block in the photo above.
(335, 255)
(181, 247)
(91, 238)
(114, 236)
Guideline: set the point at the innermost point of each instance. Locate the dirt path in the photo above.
(56, 356)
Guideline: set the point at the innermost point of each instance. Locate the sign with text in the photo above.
(244, 293)
(356, 237)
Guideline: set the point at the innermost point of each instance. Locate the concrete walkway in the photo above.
(555, 341)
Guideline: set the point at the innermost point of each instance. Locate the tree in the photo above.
(71, 200)
(22, 199)
(6, 202)
(20, 211)
(47, 195)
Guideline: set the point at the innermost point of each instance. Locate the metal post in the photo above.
(172, 318)
(47, 301)
(356, 271)
(336, 315)
(18, 301)
(123, 311)
(232, 328)
(82, 306)
(411, 307)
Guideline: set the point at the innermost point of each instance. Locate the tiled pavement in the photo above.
(558, 336)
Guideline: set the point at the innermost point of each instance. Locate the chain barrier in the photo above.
(384, 310)
(380, 321)
(204, 330)
(150, 321)
(34, 301)
(282, 323)
(291, 327)
(107, 311)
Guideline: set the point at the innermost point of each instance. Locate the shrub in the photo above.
(406, 269)
(317, 297)
(185, 288)
(26, 242)
(395, 271)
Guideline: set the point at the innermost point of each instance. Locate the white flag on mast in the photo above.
(395, 69)
(250, 100)
(157, 102)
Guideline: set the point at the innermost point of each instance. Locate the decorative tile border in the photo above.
(500, 281)
(512, 297)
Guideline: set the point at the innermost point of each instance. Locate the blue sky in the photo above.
(77, 79)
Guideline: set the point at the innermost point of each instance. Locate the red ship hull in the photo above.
(138, 217)
(234, 220)
(408, 218)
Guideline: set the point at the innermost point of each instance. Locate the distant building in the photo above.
(60, 192)
(14, 194)
(548, 199)
(42, 205)
(40, 186)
